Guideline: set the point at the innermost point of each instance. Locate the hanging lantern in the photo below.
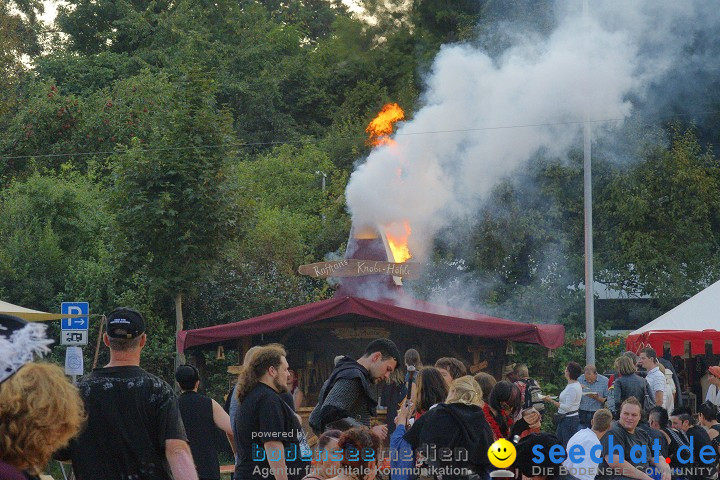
(220, 353)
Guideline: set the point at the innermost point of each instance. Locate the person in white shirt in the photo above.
(669, 398)
(655, 378)
(587, 438)
(569, 404)
(713, 393)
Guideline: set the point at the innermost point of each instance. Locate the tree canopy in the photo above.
(156, 149)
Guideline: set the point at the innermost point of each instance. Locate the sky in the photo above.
(50, 12)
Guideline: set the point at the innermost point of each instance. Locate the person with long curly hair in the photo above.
(40, 411)
(360, 450)
(266, 430)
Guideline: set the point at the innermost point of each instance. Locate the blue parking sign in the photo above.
(75, 308)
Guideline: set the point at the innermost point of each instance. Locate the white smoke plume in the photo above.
(484, 116)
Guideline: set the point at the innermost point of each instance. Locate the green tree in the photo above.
(116, 26)
(445, 22)
(664, 222)
(54, 128)
(21, 34)
(290, 220)
(172, 201)
(51, 230)
(298, 205)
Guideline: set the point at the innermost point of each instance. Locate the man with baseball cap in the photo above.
(134, 429)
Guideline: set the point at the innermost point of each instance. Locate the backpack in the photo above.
(649, 400)
(533, 395)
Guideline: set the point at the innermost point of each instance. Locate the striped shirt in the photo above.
(600, 386)
(656, 379)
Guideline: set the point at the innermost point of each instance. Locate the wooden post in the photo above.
(246, 344)
(179, 357)
(97, 344)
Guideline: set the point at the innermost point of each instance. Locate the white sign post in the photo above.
(74, 332)
(73, 361)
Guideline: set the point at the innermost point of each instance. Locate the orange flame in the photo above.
(399, 243)
(379, 131)
(381, 126)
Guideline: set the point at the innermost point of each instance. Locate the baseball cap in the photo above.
(125, 322)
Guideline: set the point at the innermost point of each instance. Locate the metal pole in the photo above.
(589, 277)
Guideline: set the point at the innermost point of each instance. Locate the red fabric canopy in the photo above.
(403, 311)
(676, 340)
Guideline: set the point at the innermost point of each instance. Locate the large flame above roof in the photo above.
(381, 127)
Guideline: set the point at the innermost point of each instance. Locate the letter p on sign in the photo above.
(75, 308)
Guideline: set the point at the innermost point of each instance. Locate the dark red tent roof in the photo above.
(404, 311)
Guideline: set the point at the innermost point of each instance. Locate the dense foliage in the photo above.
(157, 149)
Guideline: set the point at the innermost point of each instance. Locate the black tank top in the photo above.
(197, 415)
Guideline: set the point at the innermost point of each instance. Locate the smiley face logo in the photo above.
(502, 453)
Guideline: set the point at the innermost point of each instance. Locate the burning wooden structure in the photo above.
(365, 307)
(370, 303)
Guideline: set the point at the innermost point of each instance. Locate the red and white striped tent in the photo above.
(695, 321)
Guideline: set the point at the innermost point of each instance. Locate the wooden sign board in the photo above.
(357, 268)
(350, 333)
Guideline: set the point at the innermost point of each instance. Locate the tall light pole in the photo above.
(587, 185)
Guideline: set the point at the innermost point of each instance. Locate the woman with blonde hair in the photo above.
(40, 411)
(465, 390)
(458, 423)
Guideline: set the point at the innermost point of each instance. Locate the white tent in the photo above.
(696, 321)
(31, 315)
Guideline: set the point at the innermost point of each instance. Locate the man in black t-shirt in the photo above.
(202, 417)
(267, 431)
(627, 450)
(134, 430)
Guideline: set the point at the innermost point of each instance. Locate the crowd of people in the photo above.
(121, 422)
